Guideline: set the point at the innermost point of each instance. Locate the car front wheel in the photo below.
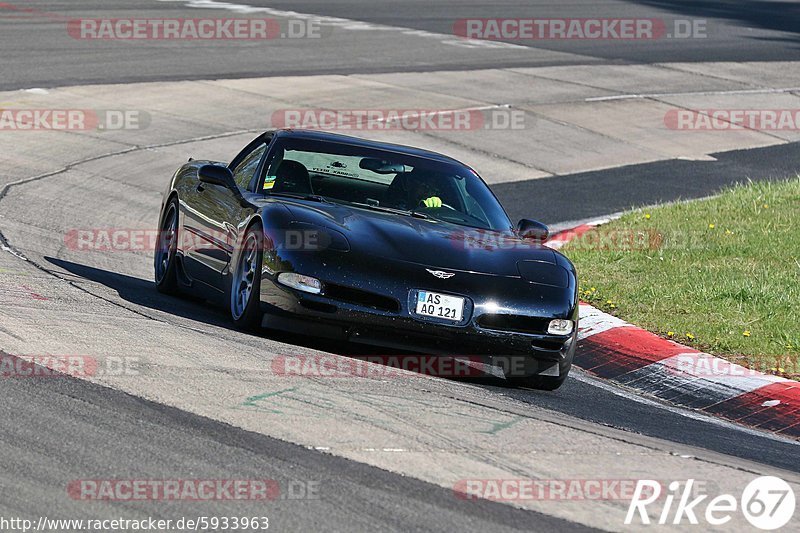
(245, 301)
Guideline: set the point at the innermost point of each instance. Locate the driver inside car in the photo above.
(425, 192)
(415, 189)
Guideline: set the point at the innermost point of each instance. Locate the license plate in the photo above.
(438, 305)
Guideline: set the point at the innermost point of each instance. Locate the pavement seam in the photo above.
(629, 96)
(623, 93)
(621, 140)
(429, 135)
(493, 155)
(674, 68)
(743, 126)
(366, 77)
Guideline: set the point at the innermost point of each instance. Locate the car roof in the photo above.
(366, 143)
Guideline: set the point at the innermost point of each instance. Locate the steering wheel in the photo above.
(422, 205)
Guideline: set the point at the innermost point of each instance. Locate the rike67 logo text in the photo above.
(766, 502)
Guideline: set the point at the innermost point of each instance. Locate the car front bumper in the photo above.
(330, 316)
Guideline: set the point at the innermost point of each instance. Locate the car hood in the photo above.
(426, 242)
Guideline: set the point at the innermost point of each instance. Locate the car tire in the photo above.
(164, 260)
(245, 300)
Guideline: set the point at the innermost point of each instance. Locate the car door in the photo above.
(215, 214)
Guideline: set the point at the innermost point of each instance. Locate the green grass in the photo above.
(719, 274)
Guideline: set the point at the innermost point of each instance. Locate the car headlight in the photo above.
(300, 282)
(559, 326)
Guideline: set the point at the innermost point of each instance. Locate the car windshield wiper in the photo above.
(300, 196)
(392, 210)
(415, 213)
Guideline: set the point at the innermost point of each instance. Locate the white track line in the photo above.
(349, 24)
(691, 93)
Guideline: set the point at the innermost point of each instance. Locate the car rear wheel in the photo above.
(166, 276)
(245, 301)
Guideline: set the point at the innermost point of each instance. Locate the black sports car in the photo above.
(370, 242)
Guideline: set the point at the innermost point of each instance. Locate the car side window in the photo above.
(244, 171)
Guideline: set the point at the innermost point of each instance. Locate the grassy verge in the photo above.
(720, 274)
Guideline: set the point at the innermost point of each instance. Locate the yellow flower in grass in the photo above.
(647, 216)
(690, 336)
(765, 206)
(711, 226)
(746, 333)
(670, 333)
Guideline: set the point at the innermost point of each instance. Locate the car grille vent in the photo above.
(519, 323)
(359, 297)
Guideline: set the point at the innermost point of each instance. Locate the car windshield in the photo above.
(382, 179)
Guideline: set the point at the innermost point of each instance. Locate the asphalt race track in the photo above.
(35, 55)
(353, 454)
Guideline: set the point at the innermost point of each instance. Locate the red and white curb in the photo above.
(613, 349)
(559, 239)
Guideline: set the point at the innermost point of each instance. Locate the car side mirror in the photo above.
(533, 229)
(217, 175)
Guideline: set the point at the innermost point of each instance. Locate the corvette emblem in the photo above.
(441, 275)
